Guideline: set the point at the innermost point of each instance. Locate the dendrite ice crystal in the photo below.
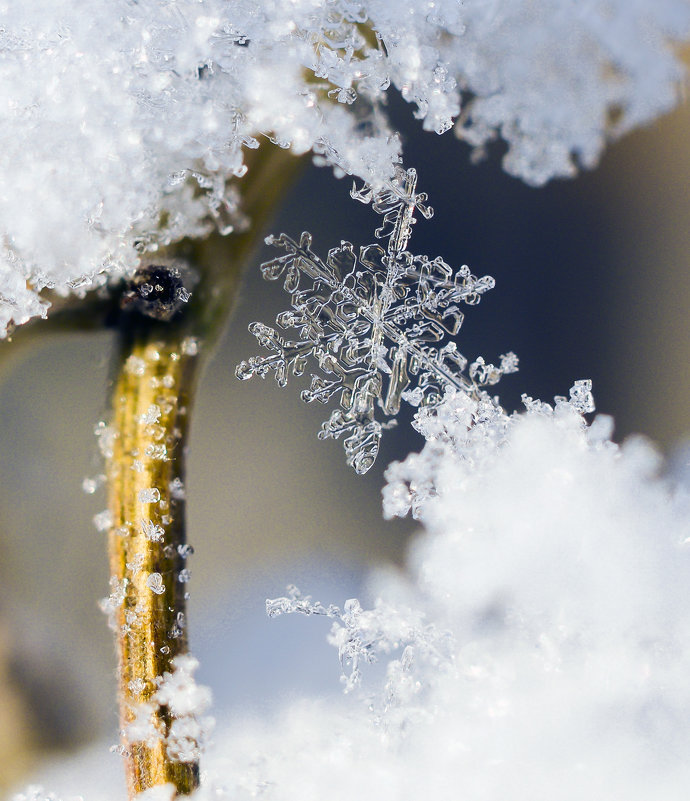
(376, 323)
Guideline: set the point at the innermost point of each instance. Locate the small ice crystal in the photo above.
(106, 438)
(135, 365)
(190, 346)
(158, 452)
(184, 576)
(151, 415)
(296, 602)
(156, 432)
(137, 686)
(185, 550)
(149, 495)
(155, 583)
(152, 531)
(581, 398)
(136, 564)
(185, 740)
(180, 692)
(177, 490)
(109, 605)
(103, 520)
(90, 485)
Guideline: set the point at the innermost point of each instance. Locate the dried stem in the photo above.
(151, 404)
(145, 449)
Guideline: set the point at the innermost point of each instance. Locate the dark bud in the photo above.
(156, 291)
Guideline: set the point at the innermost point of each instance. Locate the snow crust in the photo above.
(123, 121)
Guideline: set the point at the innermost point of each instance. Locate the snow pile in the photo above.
(539, 646)
(124, 121)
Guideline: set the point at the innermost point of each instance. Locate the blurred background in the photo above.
(592, 282)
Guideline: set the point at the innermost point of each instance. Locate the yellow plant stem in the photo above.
(145, 453)
(145, 448)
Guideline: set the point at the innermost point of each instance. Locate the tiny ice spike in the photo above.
(376, 323)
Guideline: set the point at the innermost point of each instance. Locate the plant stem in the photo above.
(145, 469)
(145, 449)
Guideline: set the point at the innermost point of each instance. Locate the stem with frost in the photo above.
(145, 450)
(151, 404)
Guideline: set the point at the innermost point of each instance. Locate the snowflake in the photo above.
(377, 323)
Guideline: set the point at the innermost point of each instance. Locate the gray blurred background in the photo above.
(592, 282)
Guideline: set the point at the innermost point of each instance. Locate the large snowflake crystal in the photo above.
(375, 322)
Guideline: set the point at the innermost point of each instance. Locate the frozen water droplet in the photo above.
(165, 649)
(155, 583)
(184, 576)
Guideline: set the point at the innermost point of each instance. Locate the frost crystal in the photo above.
(103, 520)
(187, 703)
(362, 636)
(154, 582)
(110, 605)
(149, 495)
(142, 729)
(152, 531)
(373, 322)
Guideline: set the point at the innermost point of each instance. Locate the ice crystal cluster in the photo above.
(187, 703)
(538, 645)
(123, 122)
(373, 323)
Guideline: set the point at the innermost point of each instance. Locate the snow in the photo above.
(125, 122)
(537, 645)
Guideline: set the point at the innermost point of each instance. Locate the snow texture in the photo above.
(537, 647)
(124, 121)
